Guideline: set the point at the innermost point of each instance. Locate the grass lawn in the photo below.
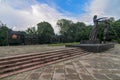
(63, 44)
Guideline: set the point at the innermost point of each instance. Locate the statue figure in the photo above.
(106, 26)
(94, 32)
(93, 35)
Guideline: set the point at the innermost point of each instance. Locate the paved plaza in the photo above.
(94, 66)
(6, 51)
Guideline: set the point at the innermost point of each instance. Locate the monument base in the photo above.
(90, 42)
(90, 47)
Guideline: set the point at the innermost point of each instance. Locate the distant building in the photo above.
(15, 38)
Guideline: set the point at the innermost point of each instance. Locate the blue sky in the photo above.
(21, 14)
(75, 7)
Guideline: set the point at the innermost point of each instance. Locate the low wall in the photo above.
(94, 47)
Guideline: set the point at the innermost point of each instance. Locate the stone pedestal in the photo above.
(93, 46)
(90, 42)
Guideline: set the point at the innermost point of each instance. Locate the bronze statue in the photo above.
(94, 32)
(93, 35)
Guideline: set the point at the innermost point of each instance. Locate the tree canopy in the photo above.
(69, 32)
(73, 31)
(3, 34)
(45, 32)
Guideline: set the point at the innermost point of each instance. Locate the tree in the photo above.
(82, 31)
(3, 35)
(31, 31)
(64, 25)
(45, 32)
(73, 31)
(66, 29)
(115, 30)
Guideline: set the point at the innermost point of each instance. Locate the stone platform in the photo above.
(94, 47)
(100, 66)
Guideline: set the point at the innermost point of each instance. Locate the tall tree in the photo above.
(82, 31)
(66, 29)
(31, 31)
(3, 35)
(64, 25)
(45, 32)
(73, 31)
(115, 30)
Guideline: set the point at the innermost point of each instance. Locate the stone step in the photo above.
(17, 67)
(26, 57)
(42, 57)
(13, 65)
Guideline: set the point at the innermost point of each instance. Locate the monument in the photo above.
(94, 44)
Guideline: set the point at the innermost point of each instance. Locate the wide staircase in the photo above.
(21, 63)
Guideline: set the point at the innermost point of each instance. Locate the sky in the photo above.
(22, 14)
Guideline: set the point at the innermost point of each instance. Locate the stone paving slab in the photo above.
(94, 66)
(6, 51)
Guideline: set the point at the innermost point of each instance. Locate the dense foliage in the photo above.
(73, 32)
(45, 32)
(3, 35)
(69, 32)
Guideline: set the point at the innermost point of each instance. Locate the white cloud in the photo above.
(24, 17)
(22, 14)
(102, 8)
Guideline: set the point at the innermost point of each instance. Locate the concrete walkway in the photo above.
(95, 66)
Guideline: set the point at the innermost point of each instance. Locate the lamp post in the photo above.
(7, 37)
